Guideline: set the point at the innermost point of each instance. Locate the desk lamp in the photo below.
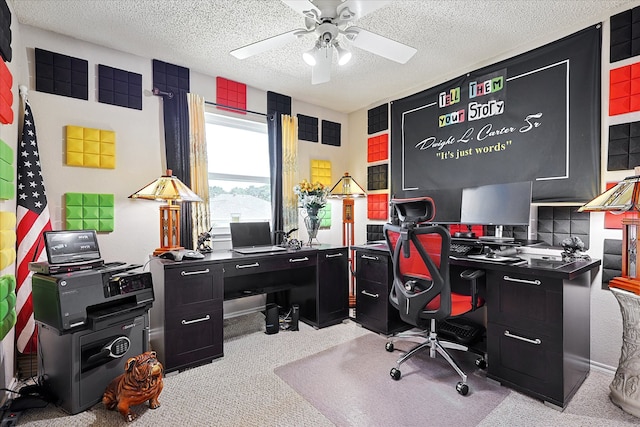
(347, 189)
(170, 189)
(625, 197)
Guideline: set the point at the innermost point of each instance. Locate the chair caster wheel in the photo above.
(389, 346)
(481, 363)
(462, 388)
(395, 373)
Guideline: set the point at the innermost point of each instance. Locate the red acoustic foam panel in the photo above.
(614, 221)
(378, 206)
(624, 89)
(6, 96)
(231, 94)
(378, 148)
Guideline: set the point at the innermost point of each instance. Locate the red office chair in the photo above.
(421, 288)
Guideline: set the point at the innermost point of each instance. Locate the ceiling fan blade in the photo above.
(361, 8)
(379, 45)
(321, 72)
(265, 45)
(301, 6)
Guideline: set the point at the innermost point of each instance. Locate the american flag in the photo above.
(33, 219)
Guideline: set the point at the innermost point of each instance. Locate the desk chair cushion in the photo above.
(460, 304)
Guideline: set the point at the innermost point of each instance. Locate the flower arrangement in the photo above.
(311, 197)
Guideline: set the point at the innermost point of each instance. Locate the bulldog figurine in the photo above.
(141, 381)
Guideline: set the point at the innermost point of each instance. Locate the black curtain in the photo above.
(176, 138)
(274, 126)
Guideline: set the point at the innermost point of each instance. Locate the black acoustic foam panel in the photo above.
(625, 35)
(624, 146)
(119, 87)
(278, 103)
(331, 133)
(377, 177)
(556, 223)
(378, 119)
(374, 232)
(611, 261)
(307, 128)
(5, 31)
(170, 78)
(61, 74)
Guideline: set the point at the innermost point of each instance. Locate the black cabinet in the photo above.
(186, 321)
(538, 333)
(333, 286)
(374, 277)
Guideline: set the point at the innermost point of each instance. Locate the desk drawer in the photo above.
(243, 267)
(373, 267)
(372, 305)
(192, 285)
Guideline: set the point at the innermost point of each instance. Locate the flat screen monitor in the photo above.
(71, 246)
(245, 234)
(497, 204)
(447, 204)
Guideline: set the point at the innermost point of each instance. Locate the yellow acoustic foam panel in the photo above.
(321, 172)
(7, 239)
(91, 148)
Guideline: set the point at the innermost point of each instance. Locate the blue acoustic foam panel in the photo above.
(331, 133)
(625, 35)
(170, 78)
(5, 31)
(307, 128)
(278, 103)
(624, 146)
(119, 87)
(61, 74)
(378, 119)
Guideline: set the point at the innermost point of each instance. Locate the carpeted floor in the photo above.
(241, 389)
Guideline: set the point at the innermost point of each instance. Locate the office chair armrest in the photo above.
(472, 276)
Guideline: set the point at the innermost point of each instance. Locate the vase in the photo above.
(312, 223)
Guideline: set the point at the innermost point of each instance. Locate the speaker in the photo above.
(272, 319)
(295, 315)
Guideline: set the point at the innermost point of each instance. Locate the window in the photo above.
(239, 173)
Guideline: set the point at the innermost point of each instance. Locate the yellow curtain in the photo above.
(200, 212)
(289, 171)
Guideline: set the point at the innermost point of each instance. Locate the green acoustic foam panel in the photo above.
(231, 94)
(7, 304)
(331, 133)
(7, 172)
(625, 35)
(170, 78)
(307, 128)
(61, 74)
(5, 31)
(89, 211)
(325, 214)
(378, 119)
(278, 103)
(378, 206)
(119, 87)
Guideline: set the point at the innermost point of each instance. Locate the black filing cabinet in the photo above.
(374, 277)
(186, 323)
(333, 286)
(538, 333)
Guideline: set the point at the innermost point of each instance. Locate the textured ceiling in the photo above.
(450, 36)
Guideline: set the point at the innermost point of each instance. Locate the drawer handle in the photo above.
(255, 264)
(190, 273)
(298, 259)
(370, 294)
(333, 255)
(530, 341)
(202, 319)
(528, 282)
(375, 258)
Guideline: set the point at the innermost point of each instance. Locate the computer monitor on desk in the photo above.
(497, 204)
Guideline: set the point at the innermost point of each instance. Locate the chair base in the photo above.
(435, 347)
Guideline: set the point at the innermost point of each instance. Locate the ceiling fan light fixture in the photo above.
(344, 55)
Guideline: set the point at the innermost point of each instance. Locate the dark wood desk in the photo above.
(538, 320)
(187, 316)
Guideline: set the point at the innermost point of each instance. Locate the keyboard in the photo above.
(460, 249)
(461, 330)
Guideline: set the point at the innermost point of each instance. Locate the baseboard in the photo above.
(601, 367)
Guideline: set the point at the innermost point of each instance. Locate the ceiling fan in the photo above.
(331, 22)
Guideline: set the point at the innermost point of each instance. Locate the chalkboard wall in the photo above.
(532, 117)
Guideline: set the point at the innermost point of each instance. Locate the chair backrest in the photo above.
(420, 254)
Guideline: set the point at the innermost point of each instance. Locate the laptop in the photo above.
(72, 247)
(252, 238)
